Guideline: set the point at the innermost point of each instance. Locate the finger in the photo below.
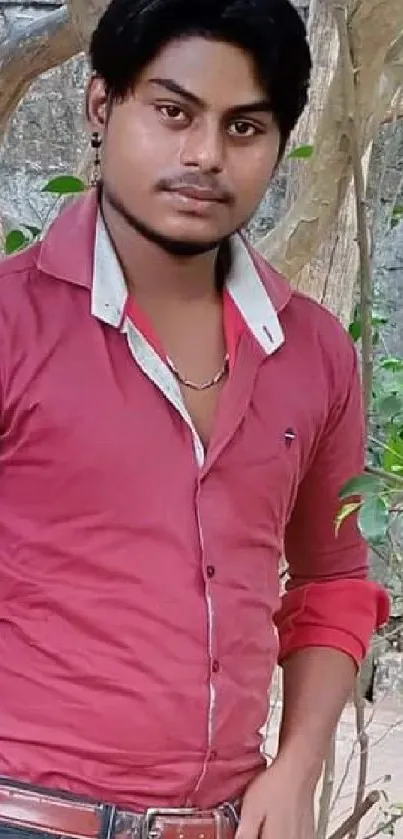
(248, 830)
(249, 825)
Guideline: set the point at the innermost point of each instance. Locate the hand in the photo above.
(279, 804)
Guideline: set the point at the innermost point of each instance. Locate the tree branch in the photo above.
(391, 478)
(46, 26)
(386, 829)
(30, 50)
(84, 16)
(375, 26)
(327, 791)
(349, 78)
(363, 743)
(353, 820)
(396, 110)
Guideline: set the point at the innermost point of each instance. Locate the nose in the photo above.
(202, 147)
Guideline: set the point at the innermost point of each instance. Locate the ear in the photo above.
(96, 104)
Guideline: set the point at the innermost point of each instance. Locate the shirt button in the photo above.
(210, 571)
(213, 755)
(215, 666)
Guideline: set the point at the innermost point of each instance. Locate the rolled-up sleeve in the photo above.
(329, 599)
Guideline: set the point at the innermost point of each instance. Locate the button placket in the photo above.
(208, 572)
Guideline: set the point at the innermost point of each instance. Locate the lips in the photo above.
(196, 193)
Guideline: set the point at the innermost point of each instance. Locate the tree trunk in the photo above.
(29, 51)
(329, 276)
(319, 228)
(84, 16)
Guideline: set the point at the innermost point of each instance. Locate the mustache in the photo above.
(196, 180)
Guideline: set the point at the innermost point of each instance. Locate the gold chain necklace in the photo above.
(215, 380)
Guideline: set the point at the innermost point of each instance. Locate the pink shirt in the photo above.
(139, 584)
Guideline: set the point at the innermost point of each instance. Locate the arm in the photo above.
(330, 608)
(317, 683)
(328, 614)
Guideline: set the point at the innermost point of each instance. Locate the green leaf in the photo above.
(65, 185)
(355, 330)
(355, 325)
(393, 454)
(363, 485)
(379, 320)
(15, 241)
(390, 406)
(395, 365)
(397, 215)
(373, 519)
(346, 511)
(301, 153)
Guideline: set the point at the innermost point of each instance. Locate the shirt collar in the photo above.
(78, 250)
(109, 293)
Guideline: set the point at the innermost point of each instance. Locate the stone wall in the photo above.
(389, 677)
(46, 136)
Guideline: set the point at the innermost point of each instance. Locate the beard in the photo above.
(180, 248)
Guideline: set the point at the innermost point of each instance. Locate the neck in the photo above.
(152, 272)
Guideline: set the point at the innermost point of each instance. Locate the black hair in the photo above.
(131, 33)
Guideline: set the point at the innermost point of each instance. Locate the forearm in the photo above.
(317, 684)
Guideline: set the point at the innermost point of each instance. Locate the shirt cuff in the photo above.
(340, 614)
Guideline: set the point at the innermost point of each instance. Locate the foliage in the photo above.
(397, 215)
(301, 152)
(65, 185)
(62, 186)
(377, 496)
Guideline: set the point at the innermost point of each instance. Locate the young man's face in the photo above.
(188, 156)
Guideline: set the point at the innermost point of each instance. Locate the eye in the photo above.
(172, 112)
(243, 129)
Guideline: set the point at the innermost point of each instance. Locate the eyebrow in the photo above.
(259, 106)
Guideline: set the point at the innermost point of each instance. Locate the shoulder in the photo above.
(313, 320)
(16, 272)
(317, 346)
(25, 288)
(329, 349)
(26, 294)
(19, 262)
(309, 327)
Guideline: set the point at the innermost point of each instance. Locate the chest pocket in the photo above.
(259, 481)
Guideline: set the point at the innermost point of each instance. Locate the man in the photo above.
(174, 416)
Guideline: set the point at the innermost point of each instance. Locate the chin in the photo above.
(193, 230)
(188, 236)
(179, 234)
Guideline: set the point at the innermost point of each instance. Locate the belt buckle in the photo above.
(147, 830)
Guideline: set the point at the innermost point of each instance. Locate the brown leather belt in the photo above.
(26, 807)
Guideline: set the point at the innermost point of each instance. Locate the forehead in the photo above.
(220, 74)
